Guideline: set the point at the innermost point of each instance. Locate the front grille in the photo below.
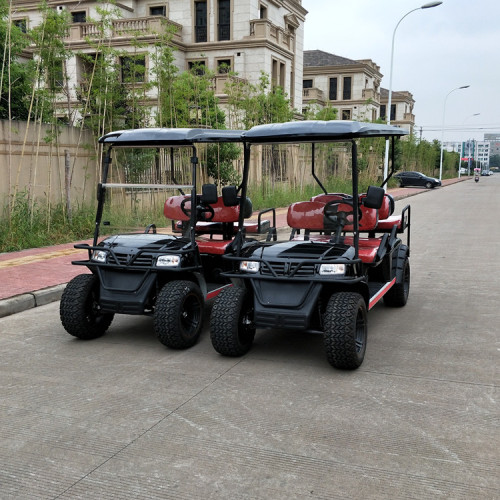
(141, 260)
(288, 268)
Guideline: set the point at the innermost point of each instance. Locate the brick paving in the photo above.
(36, 269)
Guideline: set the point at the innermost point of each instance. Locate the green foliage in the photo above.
(15, 80)
(327, 113)
(50, 55)
(268, 194)
(220, 158)
(31, 225)
(135, 163)
(257, 104)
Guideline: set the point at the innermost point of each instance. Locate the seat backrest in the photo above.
(367, 221)
(223, 213)
(172, 208)
(306, 215)
(387, 208)
(369, 216)
(326, 197)
(224, 210)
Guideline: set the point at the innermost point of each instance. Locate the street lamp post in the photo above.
(442, 129)
(389, 103)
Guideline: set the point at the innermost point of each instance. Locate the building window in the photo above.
(307, 84)
(332, 91)
(393, 112)
(79, 16)
(346, 114)
(346, 91)
(382, 111)
(262, 12)
(133, 69)
(223, 66)
(22, 24)
(158, 10)
(197, 67)
(224, 20)
(200, 27)
(274, 73)
(282, 75)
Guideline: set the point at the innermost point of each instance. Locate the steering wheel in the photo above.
(337, 213)
(185, 211)
(204, 211)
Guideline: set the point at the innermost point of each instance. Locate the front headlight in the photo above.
(168, 260)
(99, 256)
(332, 269)
(249, 266)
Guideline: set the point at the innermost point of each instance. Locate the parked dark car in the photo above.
(416, 179)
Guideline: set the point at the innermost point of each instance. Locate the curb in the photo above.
(20, 303)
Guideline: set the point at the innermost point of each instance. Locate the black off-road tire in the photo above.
(178, 315)
(397, 296)
(79, 308)
(345, 330)
(231, 323)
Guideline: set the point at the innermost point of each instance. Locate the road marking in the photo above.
(30, 259)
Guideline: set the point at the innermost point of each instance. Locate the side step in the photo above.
(378, 290)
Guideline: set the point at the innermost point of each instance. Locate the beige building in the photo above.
(352, 87)
(245, 36)
(402, 103)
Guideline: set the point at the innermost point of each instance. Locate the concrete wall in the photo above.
(29, 163)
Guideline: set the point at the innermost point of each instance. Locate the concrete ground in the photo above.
(124, 417)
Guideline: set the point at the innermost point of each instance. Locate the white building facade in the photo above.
(244, 36)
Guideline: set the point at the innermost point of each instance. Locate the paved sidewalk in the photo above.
(37, 276)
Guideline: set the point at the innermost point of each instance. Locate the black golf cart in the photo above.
(343, 255)
(168, 269)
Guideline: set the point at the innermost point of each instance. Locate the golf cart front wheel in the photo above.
(345, 330)
(178, 315)
(79, 309)
(231, 323)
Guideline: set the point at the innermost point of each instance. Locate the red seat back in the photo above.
(222, 213)
(306, 215)
(369, 216)
(172, 208)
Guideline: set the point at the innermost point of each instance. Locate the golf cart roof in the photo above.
(143, 137)
(319, 131)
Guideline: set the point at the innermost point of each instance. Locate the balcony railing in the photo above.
(313, 94)
(138, 26)
(220, 82)
(371, 94)
(263, 28)
(201, 34)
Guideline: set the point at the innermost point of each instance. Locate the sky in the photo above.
(436, 50)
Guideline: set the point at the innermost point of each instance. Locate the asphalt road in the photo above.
(124, 417)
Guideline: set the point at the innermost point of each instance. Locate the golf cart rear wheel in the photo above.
(397, 296)
(79, 309)
(345, 330)
(231, 323)
(178, 315)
